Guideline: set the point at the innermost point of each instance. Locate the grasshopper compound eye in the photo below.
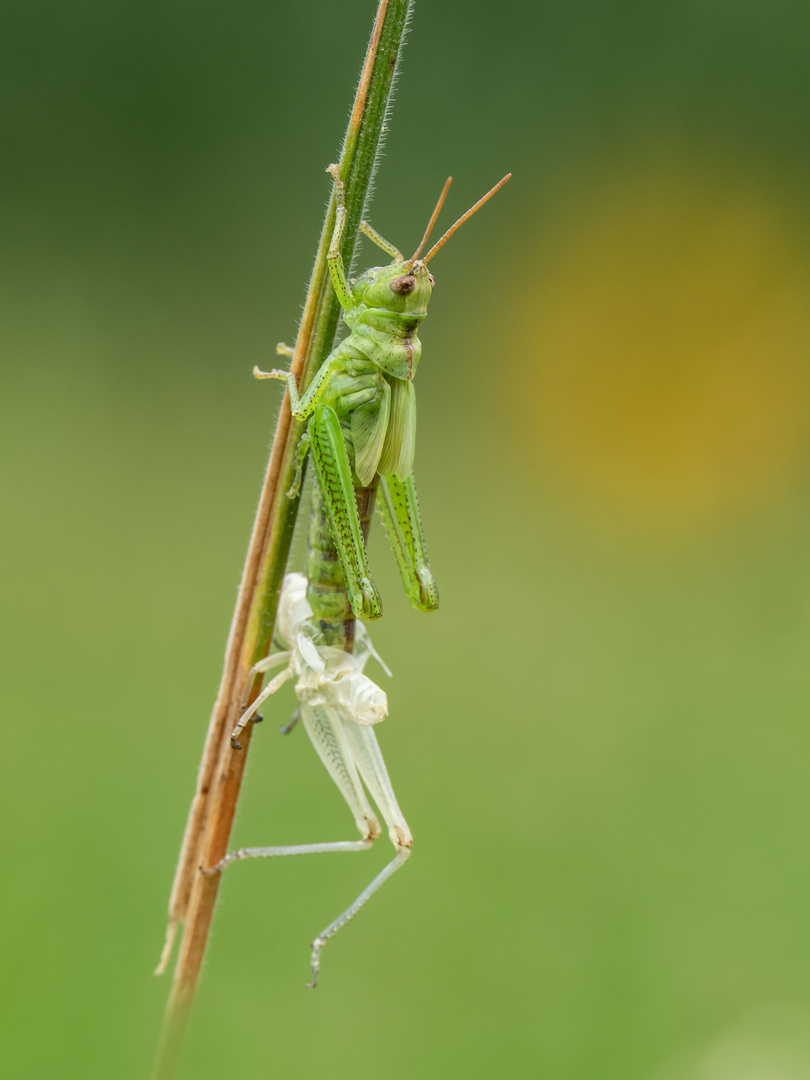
(403, 285)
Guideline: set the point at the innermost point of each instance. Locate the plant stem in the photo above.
(221, 769)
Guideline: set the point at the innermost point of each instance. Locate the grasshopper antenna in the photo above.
(464, 217)
(432, 221)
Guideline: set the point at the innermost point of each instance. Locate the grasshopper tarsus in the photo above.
(235, 744)
(365, 600)
(334, 172)
(274, 373)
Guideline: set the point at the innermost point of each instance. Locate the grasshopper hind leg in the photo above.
(399, 509)
(401, 856)
(365, 752)
(328, 453)
(349, 751)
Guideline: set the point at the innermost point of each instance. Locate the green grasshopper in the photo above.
(360, 410)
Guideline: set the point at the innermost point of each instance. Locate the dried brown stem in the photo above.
(220, 774)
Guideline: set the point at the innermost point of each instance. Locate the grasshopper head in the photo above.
(403, 286)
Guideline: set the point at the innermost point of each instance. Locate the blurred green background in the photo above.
(601, 741)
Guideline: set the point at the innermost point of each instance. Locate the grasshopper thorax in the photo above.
(390, 303)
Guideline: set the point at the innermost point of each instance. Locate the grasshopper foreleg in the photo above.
(334, 259)
(301, 405)
(380, 241)
(271, 688)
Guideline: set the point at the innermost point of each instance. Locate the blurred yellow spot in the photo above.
(665, 353)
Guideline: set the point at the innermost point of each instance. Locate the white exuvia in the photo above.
(338, 706)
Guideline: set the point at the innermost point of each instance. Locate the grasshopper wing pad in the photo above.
(326, 730)
(369, 426)
(400, 439)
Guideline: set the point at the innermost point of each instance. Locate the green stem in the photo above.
(220, 775)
